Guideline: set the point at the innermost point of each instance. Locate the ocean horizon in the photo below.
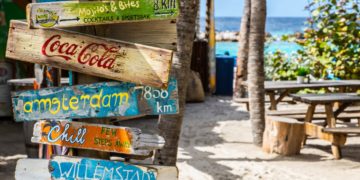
(276, 26)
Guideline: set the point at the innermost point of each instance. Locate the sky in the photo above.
(275, 8)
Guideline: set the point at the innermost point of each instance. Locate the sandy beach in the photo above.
(216, 143)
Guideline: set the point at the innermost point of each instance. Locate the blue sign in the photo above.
(71, 168)
(109, 99)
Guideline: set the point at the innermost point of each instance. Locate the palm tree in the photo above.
(243, 52)
(170, 125)
(256, 69)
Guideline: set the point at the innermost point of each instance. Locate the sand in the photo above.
(216, 143)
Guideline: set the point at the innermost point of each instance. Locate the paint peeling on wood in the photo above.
(64, 167)
(77, 168)
(102, 57)
(107, 138)
(99, 100)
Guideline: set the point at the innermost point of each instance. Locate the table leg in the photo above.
(308, 118)
(330, 117)
(281, 97)
(331, 121)
(341, 108)
(272, 100)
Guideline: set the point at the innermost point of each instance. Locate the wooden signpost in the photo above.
(91, 55)
(70, 13)
(107, 138)
(63, 167)
(146, 88)
(99, 100)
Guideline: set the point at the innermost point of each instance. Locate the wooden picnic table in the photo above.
(284, 87)
(336, 135)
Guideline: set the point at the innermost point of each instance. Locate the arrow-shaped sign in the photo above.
(97, 56)
(99, 12)
(99, 137)
(71, 168)
(99, 100)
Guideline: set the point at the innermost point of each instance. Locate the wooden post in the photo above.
(283, 135)
(210, 36)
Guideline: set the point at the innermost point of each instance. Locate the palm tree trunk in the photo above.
(241, 74)
(170, 125)
(256, 69)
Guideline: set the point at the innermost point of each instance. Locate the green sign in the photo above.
(72, 13)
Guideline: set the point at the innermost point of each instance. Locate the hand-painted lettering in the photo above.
(101, 55)
(97, 169)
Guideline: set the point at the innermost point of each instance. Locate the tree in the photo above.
(170, 125)
(332, 42)
(241, 74)
(256, 75)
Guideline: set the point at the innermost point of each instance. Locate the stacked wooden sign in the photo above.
(146, 88)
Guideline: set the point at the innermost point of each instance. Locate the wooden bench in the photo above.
(352, 112)
(303, 111)
(343, 130)
(283, 135)
(267, 100)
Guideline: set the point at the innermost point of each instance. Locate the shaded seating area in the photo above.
(331, 116)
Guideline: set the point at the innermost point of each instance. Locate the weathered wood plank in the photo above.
(327, 98)
(32, 169)
(67, 14)
(343, 130)
(106, 138)
(319, 110)
(162, 34)
(344, 115)
(287, 85)
(110, 99)
(91, 55)
(317, 131)
(62, 167)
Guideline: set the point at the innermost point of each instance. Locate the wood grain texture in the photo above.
(39, 169)
(343, 130)
(319, 110)
(98, 100)
(90, 55)
(327, 98)
(317, 116)
(72, 13)
(106, 138)
(162, 34)
(280, 85)
(318, 132)
(283, 135)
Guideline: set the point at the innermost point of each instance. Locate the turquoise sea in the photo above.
(232, 47)
(276, 26)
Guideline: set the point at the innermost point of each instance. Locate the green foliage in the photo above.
(332, 42)
(302, 71)
(279, 66)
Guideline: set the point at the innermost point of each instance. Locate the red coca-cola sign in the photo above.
(92, 54)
